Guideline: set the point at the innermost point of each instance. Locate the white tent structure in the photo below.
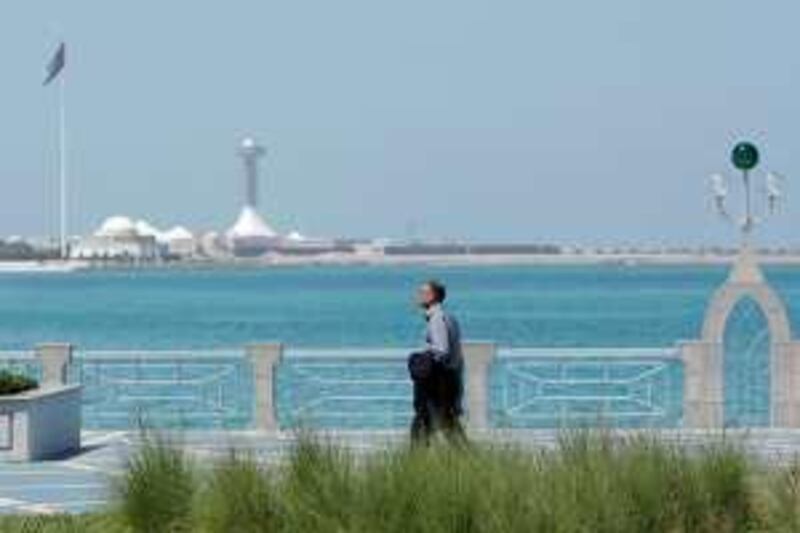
(296, 236)
(251, 235)
(296, 243)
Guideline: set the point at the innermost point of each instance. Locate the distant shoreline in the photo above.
(533, 260)
(465, 260)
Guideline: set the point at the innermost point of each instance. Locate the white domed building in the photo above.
(117, 227)
(145, 229)
(119, 238)
(179, 242)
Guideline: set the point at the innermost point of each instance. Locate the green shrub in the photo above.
(13, 383)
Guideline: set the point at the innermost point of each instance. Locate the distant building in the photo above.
(118, 238)
(447, 248)
(213, 245)
(251, 236)
(179, 242)
(368, 248)
(16, 249)
(297, 244)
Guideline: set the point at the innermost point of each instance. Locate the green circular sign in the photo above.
(744, 156)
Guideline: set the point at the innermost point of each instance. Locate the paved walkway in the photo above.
(83, 482)
(77, 484)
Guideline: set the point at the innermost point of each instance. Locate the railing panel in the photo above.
(24, 363)
(164, 389)
(627, 388)
(344, 389)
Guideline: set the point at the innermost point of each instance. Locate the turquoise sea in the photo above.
(362, 306)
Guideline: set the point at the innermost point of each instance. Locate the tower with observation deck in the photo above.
(251, 235)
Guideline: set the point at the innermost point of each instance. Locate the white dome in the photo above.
(145, 229)
(117, 226)
(178, 233)
(250, 224)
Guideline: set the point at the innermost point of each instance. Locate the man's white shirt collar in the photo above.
(435, 308)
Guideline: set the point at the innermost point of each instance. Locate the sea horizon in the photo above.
(601, 305)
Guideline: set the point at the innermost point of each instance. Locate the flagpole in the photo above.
(62, 163)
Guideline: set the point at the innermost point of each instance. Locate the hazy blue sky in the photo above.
(495, 120)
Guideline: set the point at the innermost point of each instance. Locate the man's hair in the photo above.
(438, 289)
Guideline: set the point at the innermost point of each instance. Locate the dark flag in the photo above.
(56, 63)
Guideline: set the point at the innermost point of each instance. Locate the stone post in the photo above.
(478, 357)
(702, 385)
(786, 384)
(264, 358)
(55, 359)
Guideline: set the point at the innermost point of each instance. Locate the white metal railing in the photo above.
(589, 353)
(562, 387)
(173, 388)
(350, 388)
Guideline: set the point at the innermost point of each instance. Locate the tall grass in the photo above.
(591, 482)
(157, 491)
(237, 496)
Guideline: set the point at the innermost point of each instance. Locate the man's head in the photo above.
(430, 293)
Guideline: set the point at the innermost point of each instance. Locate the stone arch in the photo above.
(704, 359)
(726, 298)
(784, 404)
(747, 366)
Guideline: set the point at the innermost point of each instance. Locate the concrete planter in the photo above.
(40, 424)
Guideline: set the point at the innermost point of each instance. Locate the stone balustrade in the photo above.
(269, 387)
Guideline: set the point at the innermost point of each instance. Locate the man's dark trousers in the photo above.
(437, 404)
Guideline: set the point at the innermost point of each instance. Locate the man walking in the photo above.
(437, 370)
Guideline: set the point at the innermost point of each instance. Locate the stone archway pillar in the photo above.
(702, 389)
(786, 398)
(703, 360)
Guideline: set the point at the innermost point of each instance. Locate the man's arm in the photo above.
(439, 337)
